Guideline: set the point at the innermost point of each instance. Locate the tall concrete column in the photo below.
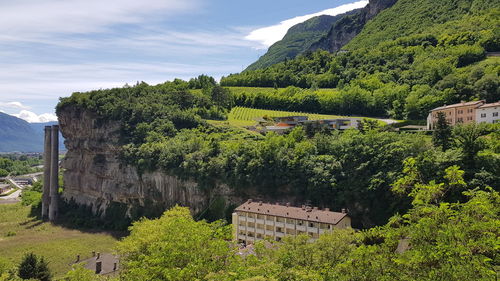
(54, 173)
(47, 154)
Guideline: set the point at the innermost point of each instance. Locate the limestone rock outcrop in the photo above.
(94, 174)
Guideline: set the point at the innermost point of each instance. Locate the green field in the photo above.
(20, 233)
(238, 90)
(243, 116)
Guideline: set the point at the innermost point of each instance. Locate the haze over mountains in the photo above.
(17, 135)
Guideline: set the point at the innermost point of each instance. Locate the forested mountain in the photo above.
(297, 40)
(19, 135)
(412, 57)
(349, 26)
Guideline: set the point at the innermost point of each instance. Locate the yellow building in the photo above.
(256, 220)
(460, 113)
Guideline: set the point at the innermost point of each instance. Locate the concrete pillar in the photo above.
(54, 173)
(47, 154)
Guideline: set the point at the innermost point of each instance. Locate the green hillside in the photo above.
(297, 40)
(409, 59)
(460, 18)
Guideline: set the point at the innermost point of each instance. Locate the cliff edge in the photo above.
(344, 30)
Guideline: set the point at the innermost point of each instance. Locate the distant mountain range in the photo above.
(17, 135)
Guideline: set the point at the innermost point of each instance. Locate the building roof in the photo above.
(287, 211)
(459, 105)
(495, 104)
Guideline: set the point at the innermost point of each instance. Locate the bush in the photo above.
(34, 267)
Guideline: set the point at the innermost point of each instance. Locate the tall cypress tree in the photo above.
(442, 132)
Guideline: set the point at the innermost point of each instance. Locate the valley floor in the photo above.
(21, 233)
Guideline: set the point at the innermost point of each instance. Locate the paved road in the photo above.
(15, 197)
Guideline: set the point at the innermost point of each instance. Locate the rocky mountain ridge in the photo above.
(344, 30)
(298, 39)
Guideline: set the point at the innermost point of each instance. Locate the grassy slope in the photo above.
(409, 17)
(20, 233)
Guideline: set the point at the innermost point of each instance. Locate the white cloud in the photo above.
(269, 35)
(13, 104)
(32, 117)
(34, 18)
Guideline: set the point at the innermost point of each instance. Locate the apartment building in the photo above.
(488, 113)
(466, 112)
(254, 221)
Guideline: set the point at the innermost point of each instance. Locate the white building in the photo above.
(256, 220)
(488, 113)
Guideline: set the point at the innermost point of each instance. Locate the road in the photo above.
(388, 121)
(15, 197)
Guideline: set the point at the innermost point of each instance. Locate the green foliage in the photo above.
(409, 59)
(445, 241)
(298, 40)
(442, 134)
(34, 267)
(18, 164)
(174, 247)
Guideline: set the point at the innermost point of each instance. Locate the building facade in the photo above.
(254, 221)
(488, 113)
(284, 124)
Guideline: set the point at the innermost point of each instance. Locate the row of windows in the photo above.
(270, 227)
(461, 111)
(278, 219)
(495, 114)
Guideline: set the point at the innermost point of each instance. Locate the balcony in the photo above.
(290, 226)
(312, 229)
(259, 221)
(269, 222)
(259, 230)
(280, 234)
(250, 229)
(250, 220)
(250, 239)
(301, 228)
(242, 237)
(242, 218)
(242, 227)
(270, 232)
(279, 224)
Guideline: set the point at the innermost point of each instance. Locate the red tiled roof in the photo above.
(459, 105)
(495, 104)
(307, 214)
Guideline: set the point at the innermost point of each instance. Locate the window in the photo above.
(279, 229)
(495, 114)
(483, 115)
(470, 110)
(460, 119)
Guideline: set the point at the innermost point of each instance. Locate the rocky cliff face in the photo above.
(95, 176)
(348, 27)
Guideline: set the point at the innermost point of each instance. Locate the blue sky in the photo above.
(51, 48)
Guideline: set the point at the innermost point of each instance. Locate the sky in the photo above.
(52, 48)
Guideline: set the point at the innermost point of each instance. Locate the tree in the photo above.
(468, 138)
(32, 267)
(175, 247)
(442, 133)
